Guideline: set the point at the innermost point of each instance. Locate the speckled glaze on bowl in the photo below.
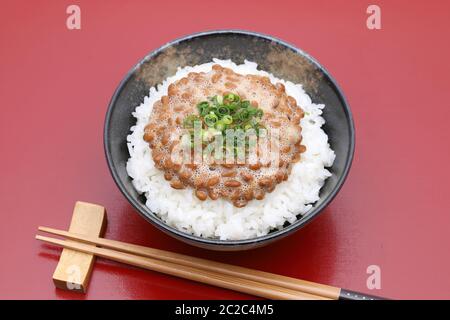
(272, 55)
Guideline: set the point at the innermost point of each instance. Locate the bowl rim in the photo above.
(159, 223)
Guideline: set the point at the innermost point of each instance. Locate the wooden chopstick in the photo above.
(272, 279)
(195, 274)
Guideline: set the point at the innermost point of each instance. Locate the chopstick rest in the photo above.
(74, 267)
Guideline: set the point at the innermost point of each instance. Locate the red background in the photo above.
(393, 211)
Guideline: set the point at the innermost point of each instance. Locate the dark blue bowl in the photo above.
(272, 55)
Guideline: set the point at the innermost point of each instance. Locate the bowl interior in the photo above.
(274, 56)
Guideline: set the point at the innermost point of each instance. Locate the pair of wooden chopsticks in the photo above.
(254, 282)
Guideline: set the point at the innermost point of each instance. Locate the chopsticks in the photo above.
(199, 275)
(254, 282)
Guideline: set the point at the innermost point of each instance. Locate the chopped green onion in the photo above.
(211, 109)
(222, 111)
(252, 111)
(220, 125)
(227, 119)
(231, 97)
(245, 104)
(243, 115)
(211, 119)
(233, 106)
(205, 112)
(202, 105)
(218, 99)
(203, 108)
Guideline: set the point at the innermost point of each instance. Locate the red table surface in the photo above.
(393, 210)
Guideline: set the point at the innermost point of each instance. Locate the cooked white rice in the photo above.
(220, 219)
